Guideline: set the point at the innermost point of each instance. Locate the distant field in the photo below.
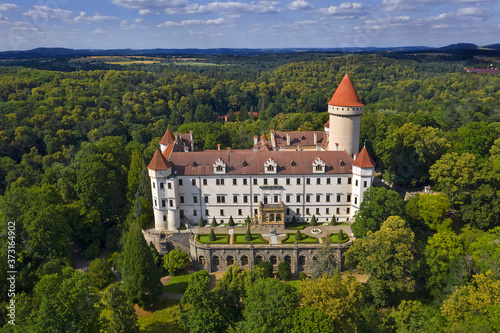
(195, 64)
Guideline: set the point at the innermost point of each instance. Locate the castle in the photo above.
(301, 174)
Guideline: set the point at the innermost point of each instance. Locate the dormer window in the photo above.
(318, 165)
(270, 166)
(219, 166)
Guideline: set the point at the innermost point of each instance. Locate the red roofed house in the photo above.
(297, 174)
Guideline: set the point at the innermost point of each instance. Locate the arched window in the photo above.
(288, 259)
(216, 261)
(258, 259)
(230, 260)
(164, 217)
(302, 260)
(271, 217)
(244, 260)
(201, 260)
(273, 260)
(278, 217)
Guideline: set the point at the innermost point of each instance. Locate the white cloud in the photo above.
(8, 6)
(139, 20)
(468, 13)
(187, 23)
(149, 3)
(146, 12)
(3, 19)
(44, 12)
(82, 17)
(230, 7)
(99, 31)
(345, 10)
(300, 5)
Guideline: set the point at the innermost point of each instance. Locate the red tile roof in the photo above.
(327, 124)
(364, 160)
(159, 162)
(168, 138)
(346, 94)
(247, 162)
(304, 138)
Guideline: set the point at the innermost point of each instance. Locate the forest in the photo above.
(73, 148)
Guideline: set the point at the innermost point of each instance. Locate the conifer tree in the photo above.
(333, 222)
(248, 235)
(134, 175)
(231, 221)
(247, 221)
(202, 222)
(211, 236)
(294, 221)
(141, 280)
(214, 222)
(298, 236)
(341, 235)
(313, 221)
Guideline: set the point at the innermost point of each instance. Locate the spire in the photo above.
(346, 94)
(168, 138)
(364, 160)
(159, 162)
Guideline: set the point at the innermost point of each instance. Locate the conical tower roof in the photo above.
(159, 162)
(168, 138)
(364, 160)
(346, 94)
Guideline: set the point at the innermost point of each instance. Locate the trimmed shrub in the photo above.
(284, 271)
(214, 222)
(341, 235)
(231, 221)
(247, 221)
(211, 236)
(298, 236)
(333, 222)
(294, 221)
(202, 222)
(313, 221)
(302, 276)
(248, 236)
(268, 268)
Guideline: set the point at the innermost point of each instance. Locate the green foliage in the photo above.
(378, 204)
(201, 223)
(100, 275)
(293, 223)
(413, 316)
(387, 255)
(340, 234)
(175, 261)
(134, 172)
(326, 260)
(284, 271)
(302, 276)
(211, 236)
(247, 221)
(248, 235)
(333, 221)
(214, 222)
(268, 268)
(486, 252)
(141, 280)
(298, 236)
(231, 221)
(313, 221)
(157, 258)
(307, 319)
(121, 316)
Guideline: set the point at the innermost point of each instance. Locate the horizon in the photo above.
(264, 24)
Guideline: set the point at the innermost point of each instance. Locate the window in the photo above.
(308, 181)
(307, 211)
(328, 181)
(205, 182)
(339, 181)
(338, 211)
(318, 198)
(327, 211)
(169, 185)
(235, 199)
(180, 182)
(298, 211)
(317, 211)
(288, 181)
(276, 198)
(348, 210)
(156, 204)
(171, 203)
(195, 212)
(161, 185)
(219, 168)
(319, 167)
(154, 186)
(298, 197)
(356, 182)
(288, 198)
(338, 197)
(206, 212)
(245, 181)
(235, 181)
(308, 198)
(219, 182)
(255, 199)
(355, 200)
(265, 181)
(245, 198)
(365, 183)
(270, 168)
(275, 181)
(255, 211)
(221, 199)
(240, 212)
(163, 203)
(318, 181)
(164, 217)
(348, 198)
(255, 181)
(206, 198)
(349, 180)
(327, 198)
(193, 182)
(195, 199)
(265, 200)
(222, 212)
(181, 198)
(298, 181)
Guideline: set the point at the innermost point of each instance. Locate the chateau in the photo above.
(301, 174)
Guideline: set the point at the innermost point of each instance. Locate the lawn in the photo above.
(335, 238)
(162, 318)
(290, 238)
(300, 226)
(256, 239)
(219, 239)
(295, 282)
(177, 284)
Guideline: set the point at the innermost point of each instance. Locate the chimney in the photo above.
(191, 139)
(186, 149)
(255, 148)
(299, 147)
(282, 147)
(255, 140)
(273, 138)
(336, 146)
(287, 138)
(354, 156)
(318, 147)
(315, 138)
(218, 146)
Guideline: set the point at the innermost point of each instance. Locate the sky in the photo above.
(140, 24)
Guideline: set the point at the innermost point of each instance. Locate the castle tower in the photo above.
(345, 109)
(167, 140)
(363, 169)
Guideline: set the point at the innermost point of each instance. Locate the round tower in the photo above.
(159, 170)
(345, 109)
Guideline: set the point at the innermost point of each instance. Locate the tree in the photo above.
(201, 223)
(211, 236)
(247, 221)
(214, 222)
(175, 261)
(100, 275)
(387, 256)
(378, 204)
(284, 271)
(474, 307)
(340, 299)
(298, 236)
(293, 223)
(476, 138)
(141, 280)
(333, 222)
(481, 208)
(248, 235)
(134, 175)
(486, 252)
(307, 319)
(313, 221)
(413, 316)
(268, 268)
(269, 307)
(326, 260)
(120, 313)
(231, 221)
(429, 209)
